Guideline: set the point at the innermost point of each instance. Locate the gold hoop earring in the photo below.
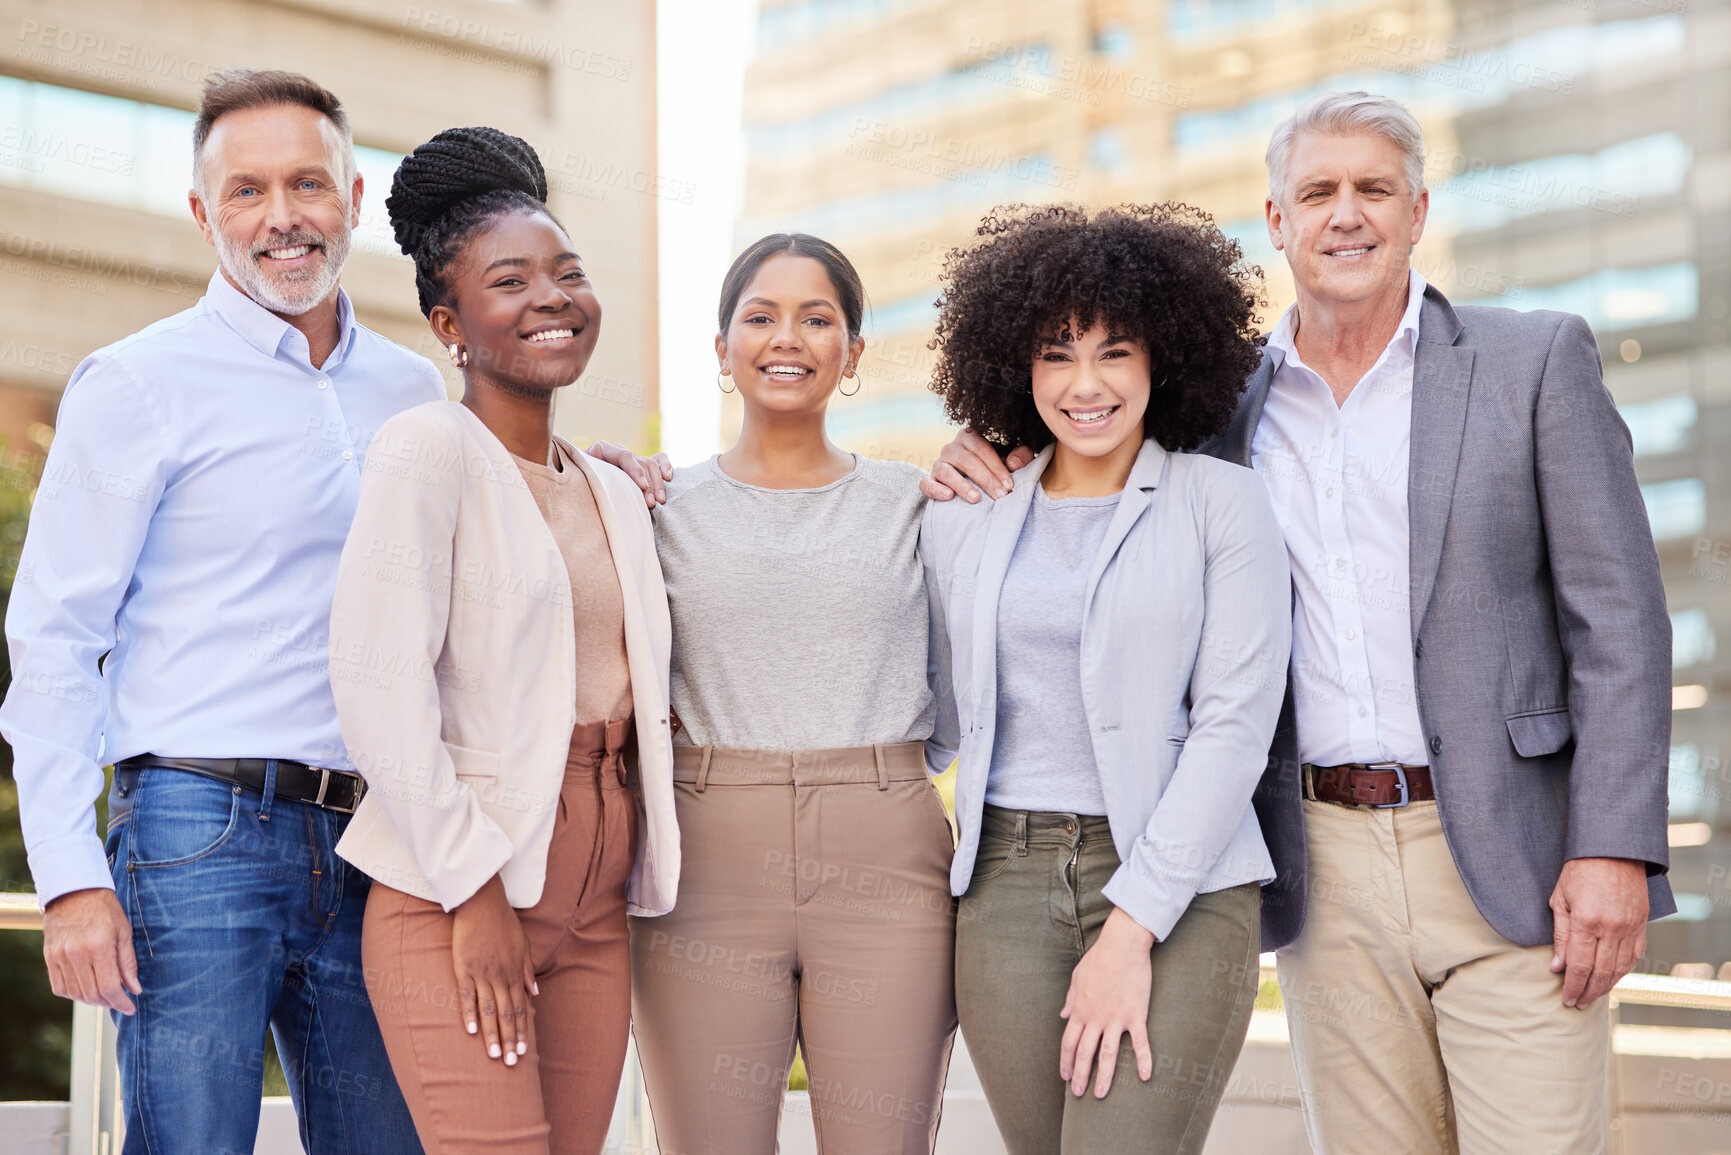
(459, 355)
(858, 381)
(718, 376)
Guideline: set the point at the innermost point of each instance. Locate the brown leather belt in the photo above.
(1385, 785)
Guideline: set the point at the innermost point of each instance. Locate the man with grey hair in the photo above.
(1467, 795)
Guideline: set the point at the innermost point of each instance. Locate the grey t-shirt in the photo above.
(799, 615)
(1042, 756)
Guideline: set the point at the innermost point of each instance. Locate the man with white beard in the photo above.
(170, 616)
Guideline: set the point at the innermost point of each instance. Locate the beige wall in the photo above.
(574, 77)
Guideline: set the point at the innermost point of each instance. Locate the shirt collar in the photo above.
(265, 331)
(1405, 339)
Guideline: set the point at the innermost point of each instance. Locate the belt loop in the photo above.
(269, 790)
(703, 769)
(1021, 834)
(883, 771)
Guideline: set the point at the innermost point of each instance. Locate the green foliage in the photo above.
(36, 1028)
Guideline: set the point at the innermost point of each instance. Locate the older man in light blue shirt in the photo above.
(170, 616)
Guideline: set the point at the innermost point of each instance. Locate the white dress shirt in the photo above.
(188, 525)
(1337, 475)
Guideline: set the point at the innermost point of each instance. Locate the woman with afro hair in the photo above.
(499, 646)
(1116, 633)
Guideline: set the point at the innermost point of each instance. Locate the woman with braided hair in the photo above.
(499, 645)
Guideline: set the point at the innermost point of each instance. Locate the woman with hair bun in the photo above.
(499, 648)
(1116, 630)
(815, 903)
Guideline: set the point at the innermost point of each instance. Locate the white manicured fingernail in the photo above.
(510, 1059)
(493, 1049)
(473, 1028)
(522, 1047)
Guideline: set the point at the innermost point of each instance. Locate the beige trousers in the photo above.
(1415, 1026)
(814, 905)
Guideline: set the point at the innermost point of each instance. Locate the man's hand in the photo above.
(650, 473)
(1600, 908)
(1109, 993)
(87, 943)
(970, 457)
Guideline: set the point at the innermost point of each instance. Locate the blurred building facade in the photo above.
(1579, 156)
(96, 100)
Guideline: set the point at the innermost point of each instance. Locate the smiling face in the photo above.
(276, 197)
(521, 305)
(1092, 388)
(1347, 218)
(787, 343)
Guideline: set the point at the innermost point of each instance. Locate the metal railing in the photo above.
(95, 1107)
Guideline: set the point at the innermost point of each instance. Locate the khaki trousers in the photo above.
(1033, 907)
(559, 1097)
(1415, 1026)
(814, 905)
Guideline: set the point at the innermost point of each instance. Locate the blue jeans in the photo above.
(244, 918)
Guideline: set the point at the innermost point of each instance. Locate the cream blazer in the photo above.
(453, 663)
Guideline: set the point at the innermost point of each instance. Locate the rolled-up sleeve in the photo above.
(1236, 688)
(100, 488)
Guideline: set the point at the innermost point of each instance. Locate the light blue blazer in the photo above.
(1187, 626)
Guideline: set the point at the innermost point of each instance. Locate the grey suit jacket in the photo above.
(1542, 646)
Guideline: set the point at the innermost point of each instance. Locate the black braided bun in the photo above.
(448, 188)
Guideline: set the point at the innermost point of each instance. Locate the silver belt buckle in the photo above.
(1399, 776)
(325, 773)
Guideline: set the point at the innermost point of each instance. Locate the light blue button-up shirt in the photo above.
(188, 524)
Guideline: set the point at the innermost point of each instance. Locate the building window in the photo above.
(1467, 198)
(1613, 299)
(1688, 786)
(1676, 508)
(1116, 42)
(1692, 640)
(1661, 426)
(1109, 151)
(785, 24)
(1546, 61)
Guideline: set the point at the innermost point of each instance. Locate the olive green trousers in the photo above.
(1031, 910)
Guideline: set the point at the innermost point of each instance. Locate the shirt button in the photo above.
(1352, 635)
(1328, 493)
(348, 455)
(1435, 745)
(1332, 433)
(1362, 712)
(324, 384)
(1339, 563)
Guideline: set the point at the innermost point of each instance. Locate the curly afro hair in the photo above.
(1161, 274)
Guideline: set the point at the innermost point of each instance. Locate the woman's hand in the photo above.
(650, 473)
(494, 974)
(971, 458)
(1109, 993)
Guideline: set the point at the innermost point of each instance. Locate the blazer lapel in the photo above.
(1003, 529)
(1250, 411)
(1144, 477)
(1441, 384)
